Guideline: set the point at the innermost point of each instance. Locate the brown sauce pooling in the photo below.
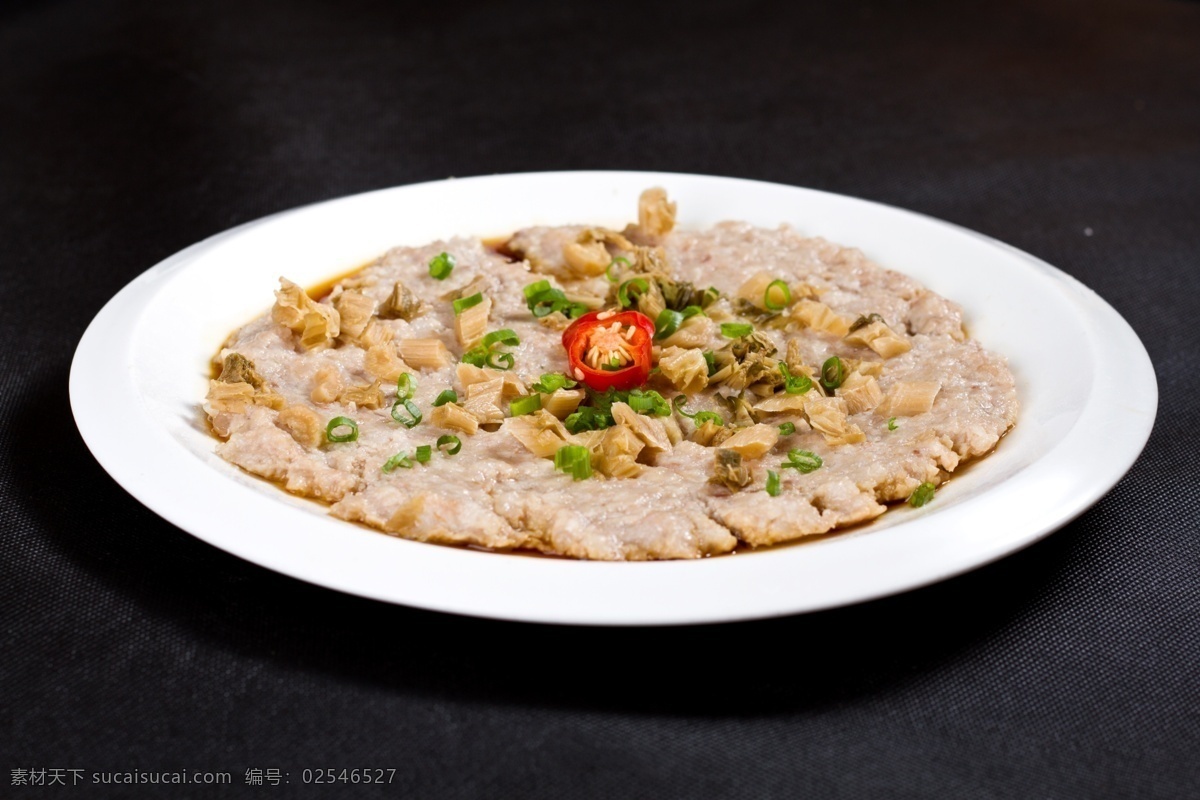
(320, 291)
(499, 246)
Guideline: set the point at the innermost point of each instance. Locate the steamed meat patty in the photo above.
(782, 362)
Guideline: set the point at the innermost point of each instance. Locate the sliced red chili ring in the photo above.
(610, 349)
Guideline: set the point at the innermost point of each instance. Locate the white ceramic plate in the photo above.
(1086, 385)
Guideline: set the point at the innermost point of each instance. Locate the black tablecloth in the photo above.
(130, 130)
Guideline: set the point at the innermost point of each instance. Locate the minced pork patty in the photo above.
(802, 392)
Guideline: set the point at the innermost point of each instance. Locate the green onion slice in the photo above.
(794, 384)
(423, 454)
(543, 300)
(587, 419)
(447, 396)
(710, 359)
(699, 417)
(441, 265)
(537, 287)
(691, 311)
(406, 384)
(922, 495)
(400, 460)
(710, 296)
(649, 402)
(525, 405)
(503, 336)
(414, 417)
(678, 402)
(892, 424)
(546, 304)
(832, 373)
(787, 429)
(772, 483)
(551, 382)
(503, 361)
(804, 461)
(667, 323)
(635, 284)
(476, 356)
(575, 460)
(608, 271)
(483, 354)
(736, 330)
(341, 422)
(783, 291)
(449, 444)
(463, 303)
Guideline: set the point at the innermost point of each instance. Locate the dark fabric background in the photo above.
(130, 130)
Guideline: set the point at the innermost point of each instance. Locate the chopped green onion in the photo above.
(603, 401)
(534, 289)
(447, 396)
(710, 296)
(614, 364)
(736, 330)
(608, 273)
(400, 460)
(406, 384)
(772, 483)
(543, 300)
(502, 336)
(414, 417)
(700, 417)
(546, 304)
(587, 418)
(787, 429)
(455, 444)
(892, 424)
(483, 354)
(794, 384)
(667, 323)
(463, 303)
(504, 361)
(476, 356)
(678, 402)
(832, 373)
(771, 305)
(691, 311)
(922, 495)
(553, 381)
(710, 359)
(639, 284)
(441, 266)
(525, 405)
(424, 452)
(575, 460)
(341, 422)
(802, 460)
(649, 402)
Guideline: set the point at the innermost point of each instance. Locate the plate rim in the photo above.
(109, 320)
